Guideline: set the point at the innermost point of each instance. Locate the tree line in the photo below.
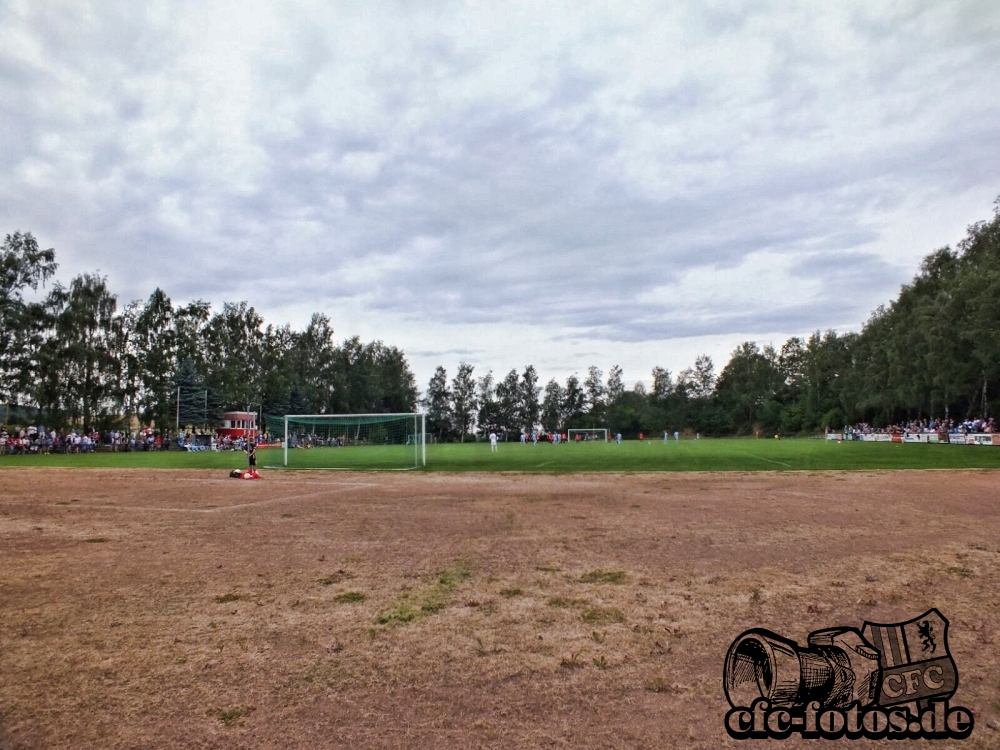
(74, 356)
(932, 352)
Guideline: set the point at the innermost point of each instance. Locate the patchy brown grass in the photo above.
(481, 613)
(604, 576)
(350, 597)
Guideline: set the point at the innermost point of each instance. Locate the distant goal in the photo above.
(357, 442)
(598, 433)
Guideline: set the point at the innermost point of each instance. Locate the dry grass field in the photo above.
(162, 609)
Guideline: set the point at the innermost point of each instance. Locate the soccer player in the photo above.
(618, 438)
(522, 438)
(493, 442)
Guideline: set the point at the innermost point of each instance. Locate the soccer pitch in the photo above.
(166, 609)
(545, 458)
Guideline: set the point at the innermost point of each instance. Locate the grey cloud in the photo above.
(854, 264)
(440, 353)
(533, 212)
(105, 157)
(659, 326)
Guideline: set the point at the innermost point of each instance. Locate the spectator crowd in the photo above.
(36, 439)
(925, 426)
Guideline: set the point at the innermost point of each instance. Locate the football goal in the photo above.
(592, 433)
(354, 441)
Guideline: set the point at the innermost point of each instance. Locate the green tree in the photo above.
(375, 378)
(574, 400)
(826, 363)
(310, 365)
(23, 266)
(234, 340)
(596, 392)
(155, 352)
(616, 385)
(748, 387)
(509, 404)
(663, 385)
(552, 407)
(437, 401)
(703, 381)
(192, 401)
(397, 387)
(632, 413)
(464, 402)
(281, 361)
(530, 413)
(123, 349)
(191, 336)
(487, 418)
(79, 354)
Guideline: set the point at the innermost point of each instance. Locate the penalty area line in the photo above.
(761, 458)
(326, 492)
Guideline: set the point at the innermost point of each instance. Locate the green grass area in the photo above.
(685, 455)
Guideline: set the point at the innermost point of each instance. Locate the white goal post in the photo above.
(591, 433)
(355, 441)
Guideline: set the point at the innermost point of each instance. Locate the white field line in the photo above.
(220, 508)
(761, 458)
(229, 482)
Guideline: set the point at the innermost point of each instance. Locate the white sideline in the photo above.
(226, 507)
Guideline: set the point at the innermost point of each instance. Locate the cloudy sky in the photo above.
(505, 183)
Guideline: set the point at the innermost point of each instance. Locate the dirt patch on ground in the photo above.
(186, 609)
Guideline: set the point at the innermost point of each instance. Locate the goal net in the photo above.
(354, 441)
(593, 433)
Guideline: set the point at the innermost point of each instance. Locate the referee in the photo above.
(252, 454)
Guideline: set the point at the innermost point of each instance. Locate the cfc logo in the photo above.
(886, 680)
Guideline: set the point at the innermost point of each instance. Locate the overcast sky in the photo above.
(505, 183)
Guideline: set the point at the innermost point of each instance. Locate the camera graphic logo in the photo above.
(885, 680)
